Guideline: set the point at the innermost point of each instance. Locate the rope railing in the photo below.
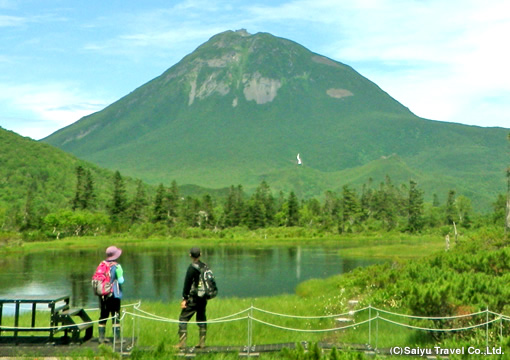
(174, 321)
(169, 320)
(250, 318)
(431, 317)
(438, 330)
(349, 313)
(247, 315)
(310, 330)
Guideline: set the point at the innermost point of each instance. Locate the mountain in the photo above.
(241, 107)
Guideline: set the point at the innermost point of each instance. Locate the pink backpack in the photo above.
(101, 282)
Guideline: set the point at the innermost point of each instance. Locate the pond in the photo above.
(158, 274)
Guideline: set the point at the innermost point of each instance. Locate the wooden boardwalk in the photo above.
(256, 350)
(45, 350)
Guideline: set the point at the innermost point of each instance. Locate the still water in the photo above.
(158, 274)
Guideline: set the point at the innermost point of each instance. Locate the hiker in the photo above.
(110, 304)
(192, 303)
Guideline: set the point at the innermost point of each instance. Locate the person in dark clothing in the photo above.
(192, 303)
(110, 305)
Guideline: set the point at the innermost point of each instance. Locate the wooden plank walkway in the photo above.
(255, 350)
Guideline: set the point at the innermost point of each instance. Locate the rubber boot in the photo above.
(102, 331)
(116, 331)
(182, 340)
(201, 339)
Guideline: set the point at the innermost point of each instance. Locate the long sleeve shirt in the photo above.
(192, 278)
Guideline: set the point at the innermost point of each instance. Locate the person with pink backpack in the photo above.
(106, 284)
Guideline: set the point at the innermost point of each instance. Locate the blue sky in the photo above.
(445, 60)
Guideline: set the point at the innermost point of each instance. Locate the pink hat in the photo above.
(113, 253)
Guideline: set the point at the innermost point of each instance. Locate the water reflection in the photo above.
(158, 274)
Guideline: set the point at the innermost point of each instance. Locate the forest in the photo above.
(163, 210)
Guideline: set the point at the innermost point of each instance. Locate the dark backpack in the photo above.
(207, 287)
(101, 281)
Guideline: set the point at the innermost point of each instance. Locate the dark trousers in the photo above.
(193, 306)
(109, 306)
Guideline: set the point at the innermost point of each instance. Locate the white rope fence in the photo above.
(247, 315)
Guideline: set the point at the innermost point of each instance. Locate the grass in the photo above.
(402, 247)
(386, 245)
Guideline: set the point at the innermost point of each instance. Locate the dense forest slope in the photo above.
(38, 178)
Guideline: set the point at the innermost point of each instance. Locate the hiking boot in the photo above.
(182, 340)
(201, 339)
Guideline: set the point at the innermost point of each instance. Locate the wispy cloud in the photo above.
(412, 49)
(45, 107)
(11, 21)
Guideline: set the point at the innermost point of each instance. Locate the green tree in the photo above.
(89, 195)
(292, 210)
(415, 208)
(158, 208)
(350, 209)
(265, 198)
(77, 202)
(206, 216)
(385, 204)
(172, 203)
(189, 211)
(499, 210)
(233, 211)
(260, 210)
(451, 208)
(465, 211)
(75, 223)
(330, 211)
(255, 214)
(84, 196)
(29, 217)
(139, 203)
(310, 212)
(366, 199)
(119, 204)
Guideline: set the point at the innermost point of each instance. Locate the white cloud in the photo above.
(39, 110)
(441, 59)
